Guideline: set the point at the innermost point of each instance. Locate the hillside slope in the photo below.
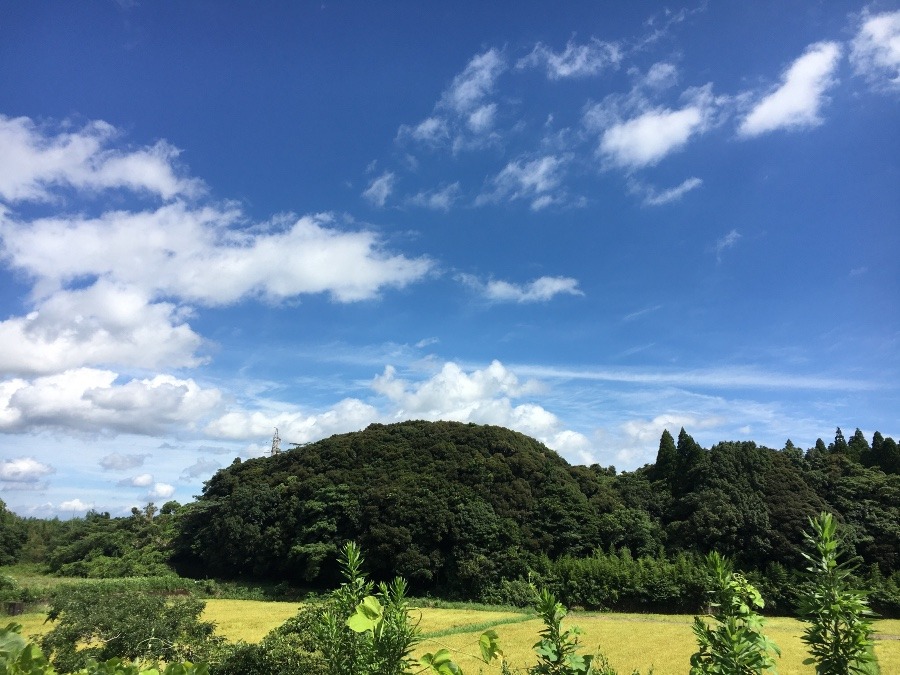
(445, 504)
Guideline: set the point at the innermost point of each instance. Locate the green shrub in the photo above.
(840, 631)
(125, 623)
(735, 644)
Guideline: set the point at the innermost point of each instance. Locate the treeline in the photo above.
(470, 511)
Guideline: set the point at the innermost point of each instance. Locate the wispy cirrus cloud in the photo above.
(576, 60)
(726, 242)
(542, 289)
(537, 180)
(380, 188)
(122, 462)
(797, 102)
(439, 199)
(464, 116)
(875, 50)
(654, 197)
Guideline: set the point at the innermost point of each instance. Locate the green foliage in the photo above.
(735, 644)
(125, 624)
(558, 649)
(840, 632)
(20, 657)
(618, 581)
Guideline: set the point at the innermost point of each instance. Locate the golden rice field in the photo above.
(630, 641)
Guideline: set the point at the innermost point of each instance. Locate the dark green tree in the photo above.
(125, 623)
(12, 535)
(840, 443)
(666, 457)
(857, 446)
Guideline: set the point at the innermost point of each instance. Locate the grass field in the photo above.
(629, 641)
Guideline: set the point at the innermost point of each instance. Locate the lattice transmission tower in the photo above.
(276, 442)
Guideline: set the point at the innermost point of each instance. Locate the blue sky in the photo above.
(584, 221)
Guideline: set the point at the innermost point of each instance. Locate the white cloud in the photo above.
(161, 491)
(463, 117)
(119, 462)
(797, 102)
(654, 197)
(90, 401)
(647, 139)
(481, 396)
(35, 161)
(440, 199)
(536, 180)
(431, 130)
(74, 505)
(202, 467)
(24, 473)
(637, 441)
(380, 188)
(575, 60)
(481, 120)
(875, 53)
(141, 480)
(726, 242)
(101, 325)
(294, 426)
(540, 290)
(198, 255)
(469, 89)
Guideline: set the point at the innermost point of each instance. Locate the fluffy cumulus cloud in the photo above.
(196, 254)
(73, 506)
(542, 289)
(637, 440)
(38, 160)
(648, 138)
(797, 102)
(294, 426)
(483, 396)
(160, 491)
(875, 52)
(141, 480)
(24, 473)
(104, 324)
(575, 60)
(538, 181)
(92, 401)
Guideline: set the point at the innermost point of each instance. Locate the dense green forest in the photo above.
(470, 511)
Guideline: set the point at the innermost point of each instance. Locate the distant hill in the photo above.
(445, 504)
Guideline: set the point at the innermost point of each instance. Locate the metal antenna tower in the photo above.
(276, 442)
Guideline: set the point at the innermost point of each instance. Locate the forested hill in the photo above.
(442, 503)
(456, 507)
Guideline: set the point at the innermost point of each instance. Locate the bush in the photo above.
(840, 631)
(125, 623)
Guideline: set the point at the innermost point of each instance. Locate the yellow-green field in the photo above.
(629, 641)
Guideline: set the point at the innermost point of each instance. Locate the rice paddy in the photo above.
(629, 641)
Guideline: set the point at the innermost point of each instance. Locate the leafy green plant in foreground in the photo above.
(840, 631)
(735, 644)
